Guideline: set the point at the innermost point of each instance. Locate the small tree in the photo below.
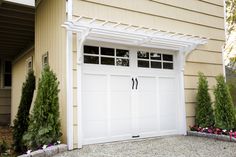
(224, 110)
(45, 125)
(204, 110)
(22, 118)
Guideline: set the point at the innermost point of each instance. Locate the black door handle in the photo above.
(132, 83)
(136, 83)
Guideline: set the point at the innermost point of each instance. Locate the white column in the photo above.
(69, 89)
(183, 129)
(79, 87)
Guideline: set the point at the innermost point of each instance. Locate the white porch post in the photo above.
(182, 93)
(79, 88)
(80, 42)
(69, 90)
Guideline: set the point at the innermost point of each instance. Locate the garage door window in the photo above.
(106, 56)
(154, 60)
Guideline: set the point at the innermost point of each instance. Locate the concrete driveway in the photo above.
(172, 146)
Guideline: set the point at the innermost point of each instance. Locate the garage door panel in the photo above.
(95, 105)
(167, 84)
(120, 105)
(120, 83)
(95, 129)
(168, 123)
(94, 82)
(147, 105)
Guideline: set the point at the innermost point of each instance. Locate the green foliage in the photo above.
(204, 110)
(21, 122)
(45, 125)
(232, 89)
(224, 110)
(3, 147)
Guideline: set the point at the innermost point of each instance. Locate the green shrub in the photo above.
(224, 110)
(44, 127)
(204, 110)
(232, 89)
(22, 118)
(3, 147)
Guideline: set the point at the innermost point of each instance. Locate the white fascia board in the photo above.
(22, 2)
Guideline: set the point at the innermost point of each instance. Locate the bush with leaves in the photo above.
(204, 110)
(224, 110)
(45, 127)
(3, 147)
(21, 122)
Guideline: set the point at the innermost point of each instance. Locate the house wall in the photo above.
(5, 96)
(19, 73)
(5, 106)
(50, 37)
(199, 18)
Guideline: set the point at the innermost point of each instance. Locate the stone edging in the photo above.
(212, 136)
(47, 152)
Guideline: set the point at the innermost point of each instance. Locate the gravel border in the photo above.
(50, 151)
(212, 136)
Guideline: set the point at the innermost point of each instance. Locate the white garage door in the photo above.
(128, 93)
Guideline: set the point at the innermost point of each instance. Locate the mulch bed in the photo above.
(6, 134)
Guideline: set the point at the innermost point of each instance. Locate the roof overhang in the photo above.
(108, 31)
(16, 28)
(30, 3)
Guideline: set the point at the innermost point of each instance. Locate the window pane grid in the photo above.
(155, 60)
(106, 56)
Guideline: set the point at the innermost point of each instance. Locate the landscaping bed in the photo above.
(214, 133)
(6, 134)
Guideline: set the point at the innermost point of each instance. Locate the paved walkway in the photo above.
(174, 146)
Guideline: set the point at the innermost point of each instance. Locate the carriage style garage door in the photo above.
(128, 93)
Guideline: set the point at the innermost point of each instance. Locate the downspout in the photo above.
(69, 78)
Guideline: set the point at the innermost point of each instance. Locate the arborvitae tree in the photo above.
(204, 110)
(224, 110)
(45, 127)
(22, 118)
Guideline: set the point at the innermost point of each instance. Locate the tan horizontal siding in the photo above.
(164, 11)
(19, 73)
(190, 109)
(214, 2)
(50, 37)
(191, 82)
(194, 5)
(207, 69)
(82, 8)
(205, 57)
(190, 121)
(5, 109)
(5, 93)
(190, 95)
(5, 101)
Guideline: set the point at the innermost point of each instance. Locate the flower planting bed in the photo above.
(47, 152)
(214, 133)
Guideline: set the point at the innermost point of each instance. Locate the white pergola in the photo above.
(120, 33)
